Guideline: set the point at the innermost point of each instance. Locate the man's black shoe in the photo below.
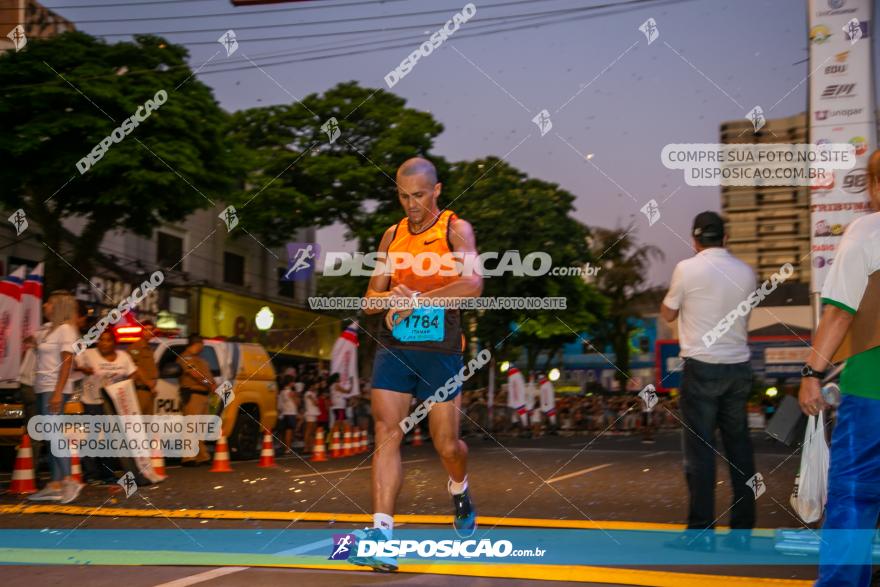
(694, 541)
(739, 540)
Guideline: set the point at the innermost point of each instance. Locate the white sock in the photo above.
(456, 488)
(384, 522)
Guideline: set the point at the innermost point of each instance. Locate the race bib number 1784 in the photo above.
(423, 325)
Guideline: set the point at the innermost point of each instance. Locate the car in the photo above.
(12, 424)
(11, 418)
(247, 367)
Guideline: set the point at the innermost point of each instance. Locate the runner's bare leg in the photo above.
(444, 420)
(389, 409)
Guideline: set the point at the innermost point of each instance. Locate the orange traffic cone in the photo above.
(75, 467)
(366, 441)
(417, 437)
(267, 455)
(23, 481)
(335, 445)
(358, 441)
(347, 449)
(319, 452)
(221, 457)
(158, 463)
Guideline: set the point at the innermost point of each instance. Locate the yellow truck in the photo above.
(247, 367)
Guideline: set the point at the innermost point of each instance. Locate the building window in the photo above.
(285, 288)
(169, 249)
(233, 268)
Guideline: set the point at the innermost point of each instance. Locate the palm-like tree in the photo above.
(622, 280)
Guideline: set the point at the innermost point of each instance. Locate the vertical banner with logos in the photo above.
(841, 111)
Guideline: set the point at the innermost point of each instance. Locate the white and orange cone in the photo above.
(335, 445)
(75, 468)
(221, 457)
(358, 441)
(346, 443)
(267, 455)
(319, 452)
(23, 480)
(158, 463)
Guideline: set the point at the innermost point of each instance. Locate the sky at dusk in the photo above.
(609, 93)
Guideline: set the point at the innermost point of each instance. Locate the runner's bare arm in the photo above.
(463, 241)
(380, 281)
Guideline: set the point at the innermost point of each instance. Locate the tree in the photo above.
(510, 211)
(299, 175)
(624, 267)
(62, 96)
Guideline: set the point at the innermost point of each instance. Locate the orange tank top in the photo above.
(433, 240)
(432, 265)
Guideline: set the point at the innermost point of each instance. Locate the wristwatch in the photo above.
(808, 371)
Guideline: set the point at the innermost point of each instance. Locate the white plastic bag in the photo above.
(811, 484)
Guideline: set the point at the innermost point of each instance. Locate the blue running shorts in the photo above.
(420, 373)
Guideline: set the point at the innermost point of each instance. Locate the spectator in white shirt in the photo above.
(52, 385)
(339, 402)
(548, 401)
(288, 412)
(716, 380)
(533, 405)
(312, 411)
(103, 365)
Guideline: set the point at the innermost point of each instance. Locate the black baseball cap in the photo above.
(708, 227)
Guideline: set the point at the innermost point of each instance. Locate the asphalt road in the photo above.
(610, 478)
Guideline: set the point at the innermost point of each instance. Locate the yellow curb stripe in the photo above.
(75, 510)
(586, 574)
(591, 574)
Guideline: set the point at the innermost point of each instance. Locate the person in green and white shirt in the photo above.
(853, 503)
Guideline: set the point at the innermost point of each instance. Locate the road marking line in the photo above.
(655, 454)
(367, 468)
(202, 577)
(577, 473)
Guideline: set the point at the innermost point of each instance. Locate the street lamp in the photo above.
(505, 365)
(553, 375)
(264, 318)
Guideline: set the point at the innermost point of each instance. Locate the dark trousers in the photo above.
(715, 396)
(96, 468)
(29, 404)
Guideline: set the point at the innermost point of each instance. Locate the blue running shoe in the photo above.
(382, 564)
(465, 520)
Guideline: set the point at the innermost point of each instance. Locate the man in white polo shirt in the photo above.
(716, 381)
(850, 329)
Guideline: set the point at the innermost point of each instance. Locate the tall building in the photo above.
(37, 21)
(769, 225)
